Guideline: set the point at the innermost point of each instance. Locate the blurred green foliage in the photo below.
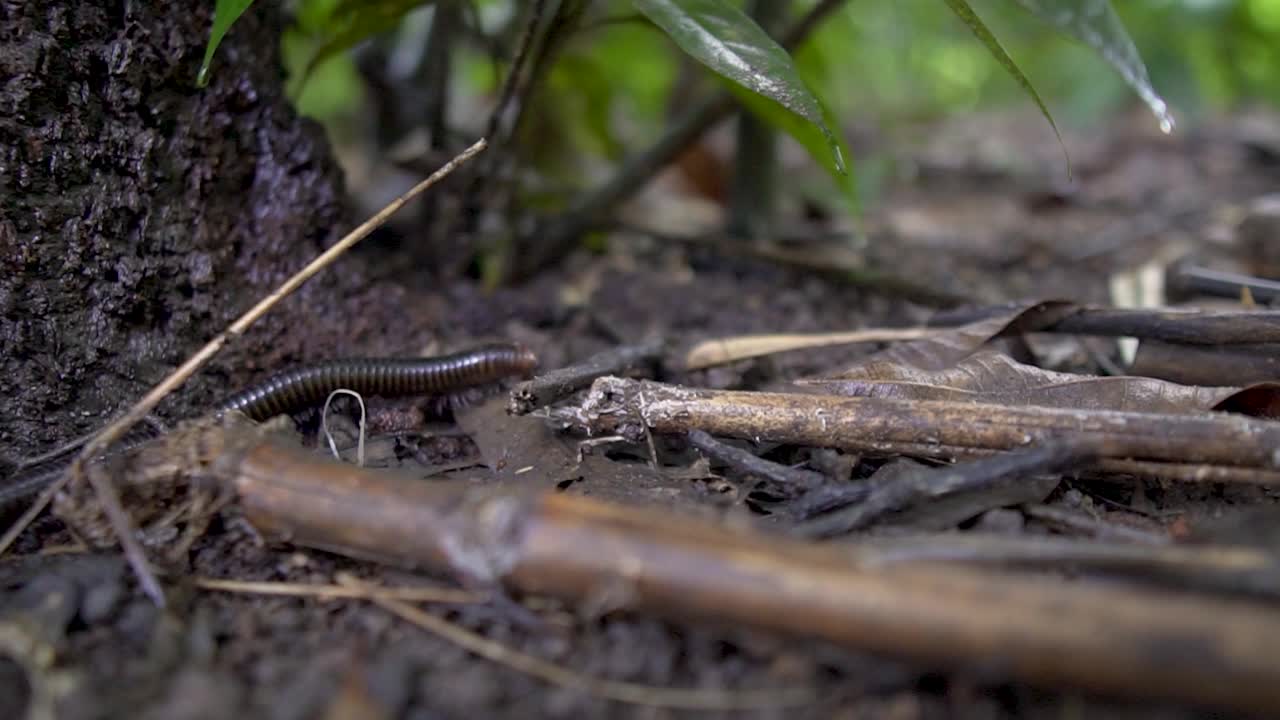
(333, 88)
(617, 81)
(881, 61)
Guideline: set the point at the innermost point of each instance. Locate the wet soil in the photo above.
(141, 214)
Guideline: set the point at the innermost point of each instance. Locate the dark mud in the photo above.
(140, 215)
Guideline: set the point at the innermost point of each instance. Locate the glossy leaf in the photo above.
(829, 150)
(966, 14)
(725, 39)
(225, 13)
(1095, 23)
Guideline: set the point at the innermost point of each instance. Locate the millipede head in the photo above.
(526, 361)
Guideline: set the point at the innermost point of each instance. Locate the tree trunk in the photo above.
(139, 213)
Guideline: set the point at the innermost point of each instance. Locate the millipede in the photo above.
(304, 386)
(307, 385)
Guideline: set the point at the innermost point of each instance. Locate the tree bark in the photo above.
(139, 213)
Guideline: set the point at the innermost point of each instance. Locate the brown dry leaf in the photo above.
(936, 347)
(991, 377)
(943, 350)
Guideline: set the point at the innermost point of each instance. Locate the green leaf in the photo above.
(225, 13)
(1095, 23)
(819, 145)
(353, 21)
(729, 42)
(970, 18)
(583, 90)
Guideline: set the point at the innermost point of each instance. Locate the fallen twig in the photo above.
(1080, 523)
(1222, 569)
(790, 481)
(1193, 327)
(1208, 364)
(511, 81)
(1107, 638)
(1223, 446)
(556, 384)
(870, 501)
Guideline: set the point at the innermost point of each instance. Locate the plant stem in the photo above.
(751, 190)
(553, 239)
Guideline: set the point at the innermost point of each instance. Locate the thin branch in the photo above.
(875, 500)
(790, 480)
(549, 387)
(511, 82)
(1213, 447)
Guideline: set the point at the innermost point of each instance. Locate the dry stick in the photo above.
(1156, 470)
(493, 129)
(625, 692)
(1222, 569)
(556, 384)
(922, 427)
(1139, 643)
(1079, 522)
(792, 481)
(1190, 332)
(1207, 364)
(1176, 326)
(1192, 327)
(926, 483)
(1184, 280)
(555, 239)
(510, 83)
(117, 428)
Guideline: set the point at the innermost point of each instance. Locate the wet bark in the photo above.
(139, 213)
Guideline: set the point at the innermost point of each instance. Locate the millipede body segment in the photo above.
(308, 385)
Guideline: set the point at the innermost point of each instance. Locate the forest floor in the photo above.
(976, 222)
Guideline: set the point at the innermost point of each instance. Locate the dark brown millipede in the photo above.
(304, 386)
(389, 377)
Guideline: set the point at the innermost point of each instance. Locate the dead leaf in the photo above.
(942, 350)
(992, 377)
